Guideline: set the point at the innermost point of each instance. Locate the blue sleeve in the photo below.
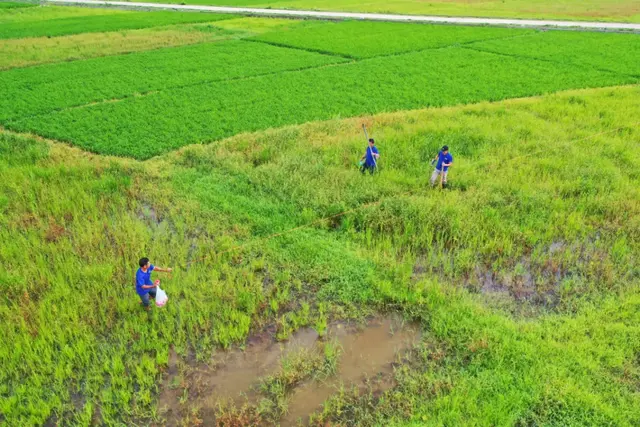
(139, 280)
(376, 150)
(149, 282)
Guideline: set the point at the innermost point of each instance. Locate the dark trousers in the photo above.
(145, 297)
(370, 168)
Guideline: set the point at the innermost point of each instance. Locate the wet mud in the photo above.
(367, 355)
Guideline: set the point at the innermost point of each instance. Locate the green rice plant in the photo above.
(173, 118)
(16, 5)
(102, 23)
(38, 90)
(613, 52)
(354, 39)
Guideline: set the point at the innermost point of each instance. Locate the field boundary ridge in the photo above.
(291, 13)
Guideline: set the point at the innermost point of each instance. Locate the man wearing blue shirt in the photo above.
(144, 286)
(370, 158)
(444, 159)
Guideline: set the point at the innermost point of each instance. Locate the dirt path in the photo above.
(528, 23)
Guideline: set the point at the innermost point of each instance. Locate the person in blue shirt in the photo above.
(444, 161)
(144, 286)
(370, 158)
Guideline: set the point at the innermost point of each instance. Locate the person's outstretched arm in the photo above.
(163, 270)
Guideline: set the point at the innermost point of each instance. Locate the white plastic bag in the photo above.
(161, 297)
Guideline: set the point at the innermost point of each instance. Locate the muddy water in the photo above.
(240, 371)
(366, 352)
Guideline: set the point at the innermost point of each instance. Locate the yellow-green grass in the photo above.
(547, 187)
(584, 10)
(45, 13)
(255, 26)
(42, 50)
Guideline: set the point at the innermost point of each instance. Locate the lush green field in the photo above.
(169, 119)
(38, 90)
(355, 39)
(101, 23)
(613, 52)
(523, 276)
(291, 74)
(13, 5)
(584, 10)
(545, 196)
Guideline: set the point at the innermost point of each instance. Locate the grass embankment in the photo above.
(580, 10)
(544, 198)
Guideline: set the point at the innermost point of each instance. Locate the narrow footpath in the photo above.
(527, 23)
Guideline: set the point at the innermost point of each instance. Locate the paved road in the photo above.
(529, 23)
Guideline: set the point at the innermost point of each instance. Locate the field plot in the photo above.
(176, 117)
(12, 5)
(522, 277)
(100, 23)
(614, 52)
(367, 39)
(42, 50)
(37, 90)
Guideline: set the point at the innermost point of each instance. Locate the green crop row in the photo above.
(614, 52)
(15, 5)
(143, 127)
(41, 89)
(367, 39)
(102, 23)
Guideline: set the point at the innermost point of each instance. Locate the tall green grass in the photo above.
(78, 348)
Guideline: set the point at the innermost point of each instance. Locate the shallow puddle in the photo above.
(366, 352)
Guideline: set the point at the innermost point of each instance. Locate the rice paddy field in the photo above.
(303, 292)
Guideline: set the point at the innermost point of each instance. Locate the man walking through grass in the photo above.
(144, 286)
(370, 158)
(444, 160)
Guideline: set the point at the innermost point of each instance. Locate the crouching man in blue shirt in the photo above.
(444, 159)
(144, 286)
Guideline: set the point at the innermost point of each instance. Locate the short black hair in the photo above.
(445, 148)
(371, 141)
(143, 262)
